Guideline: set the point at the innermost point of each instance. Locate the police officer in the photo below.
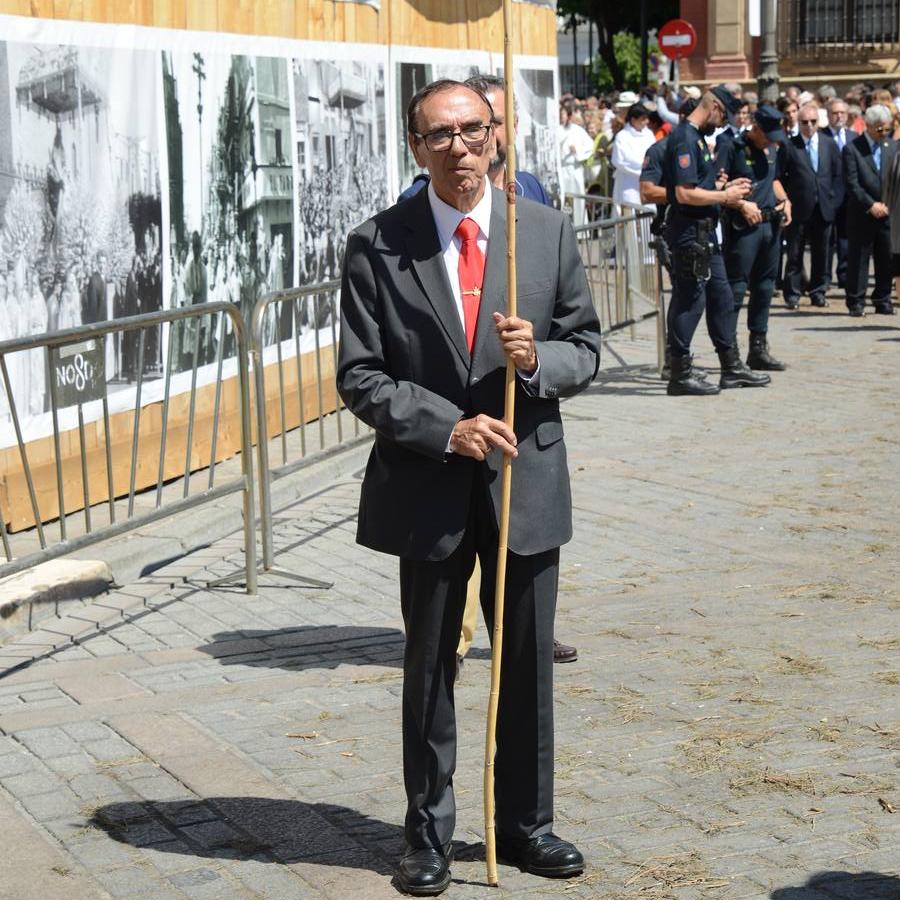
(653, 190)
(752, 231)
(699, 279)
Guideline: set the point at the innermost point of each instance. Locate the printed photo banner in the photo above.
(145, 169)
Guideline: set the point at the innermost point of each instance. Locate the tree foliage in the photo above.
(612, 18)
(627, 48)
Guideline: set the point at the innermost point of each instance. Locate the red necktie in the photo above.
(471, 276)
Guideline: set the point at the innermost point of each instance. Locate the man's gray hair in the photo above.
(826, 92)
(878, 114)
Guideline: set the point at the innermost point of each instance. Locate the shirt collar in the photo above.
(872, 143)
(447, 217)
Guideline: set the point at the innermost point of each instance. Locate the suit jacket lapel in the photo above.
(493, 291)
(427, 262)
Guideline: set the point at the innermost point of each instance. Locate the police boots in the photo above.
(759, 356)
(735, 374)
(685, 381)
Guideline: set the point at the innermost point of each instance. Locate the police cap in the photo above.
(728, 100)
(769, 121)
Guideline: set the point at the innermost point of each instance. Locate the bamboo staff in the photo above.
(490, 840)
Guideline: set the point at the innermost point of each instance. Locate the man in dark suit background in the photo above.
(812, 179)
(424, 345)
(837, 129)
(868, 223)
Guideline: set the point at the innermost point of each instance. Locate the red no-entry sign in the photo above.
(677, 38)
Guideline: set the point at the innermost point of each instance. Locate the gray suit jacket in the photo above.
(404, 369)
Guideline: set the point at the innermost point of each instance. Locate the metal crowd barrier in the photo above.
(191, 330)
(626, 282)
(279, 320)
(623, 267)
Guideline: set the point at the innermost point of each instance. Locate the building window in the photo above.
(849, 21)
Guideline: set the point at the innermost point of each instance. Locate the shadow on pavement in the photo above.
(851, 328)
(625, 381)
(262, 829)
(308, 647)
(847, 885)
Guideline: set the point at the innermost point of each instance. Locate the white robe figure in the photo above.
(629, 149)
(575, 146)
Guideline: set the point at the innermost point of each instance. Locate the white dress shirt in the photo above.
(446, 221)
(842, 137)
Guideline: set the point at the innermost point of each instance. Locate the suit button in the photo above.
(474, 379)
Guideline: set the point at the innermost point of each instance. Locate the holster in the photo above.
(694, 259)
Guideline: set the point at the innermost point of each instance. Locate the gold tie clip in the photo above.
(475, 292)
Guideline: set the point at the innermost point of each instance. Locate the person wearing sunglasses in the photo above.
(813, 179)
(867, 159)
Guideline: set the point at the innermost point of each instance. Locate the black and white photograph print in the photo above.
(341, 158)
(410, 77)
(80, 210)
(228, 131)
(537, 108)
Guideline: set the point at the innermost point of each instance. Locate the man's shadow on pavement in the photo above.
(262, 829)
(308, 647)
(853, 886)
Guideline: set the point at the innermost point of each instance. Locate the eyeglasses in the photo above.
(882, 129)
(471, 135)
(809, 121)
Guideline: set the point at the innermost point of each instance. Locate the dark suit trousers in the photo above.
(818, 232)
(432, 596)
(865, 239)
(751, 261)
(838, 247)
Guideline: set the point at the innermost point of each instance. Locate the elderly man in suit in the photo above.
(866, 158)
(424, 346)
(812, 179)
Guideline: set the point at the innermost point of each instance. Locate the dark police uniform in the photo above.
(699, 277)
(652, 173)
(751, 251)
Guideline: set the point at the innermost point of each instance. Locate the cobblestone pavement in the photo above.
(731, 729)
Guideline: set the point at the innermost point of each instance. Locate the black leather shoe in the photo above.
(856, 311)
(547, 855)
(424, 871)
(819, 301)
(792, 302)
(563, 653)
(884, 309)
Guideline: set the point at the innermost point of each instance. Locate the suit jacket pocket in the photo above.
(548, 433)
(533, 288)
